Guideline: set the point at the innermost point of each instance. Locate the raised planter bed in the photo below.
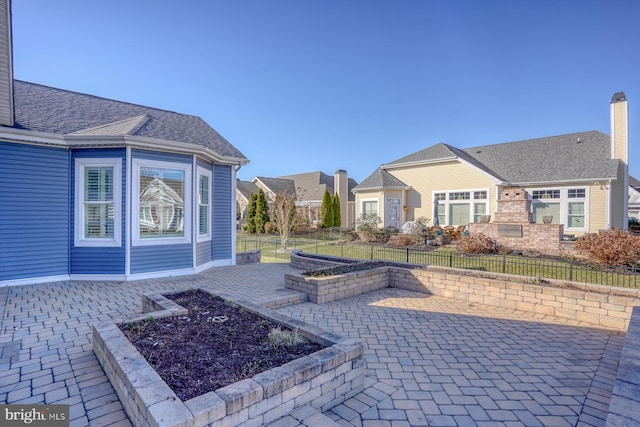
(323, 379)
(603, 306)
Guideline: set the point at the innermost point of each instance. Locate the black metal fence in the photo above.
(539, 269)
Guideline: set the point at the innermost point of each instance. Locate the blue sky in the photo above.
(301, 85)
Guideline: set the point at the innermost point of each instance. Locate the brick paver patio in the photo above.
(430, 360)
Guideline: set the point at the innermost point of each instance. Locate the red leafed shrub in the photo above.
(611, 247)
(476, 244)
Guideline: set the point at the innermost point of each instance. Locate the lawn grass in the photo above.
(537, 268)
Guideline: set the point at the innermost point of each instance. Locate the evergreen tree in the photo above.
(327, 210)
(337, 221)
(262, 212)
(251, 214)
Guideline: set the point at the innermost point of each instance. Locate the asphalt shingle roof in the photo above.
(575, 156)
(58, 111)
(380, 179)
(278, 185)
(246, 188)
(582, 155)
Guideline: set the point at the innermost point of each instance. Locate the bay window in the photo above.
(163, 193)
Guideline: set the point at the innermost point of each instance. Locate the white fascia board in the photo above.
(32, 137)
(84, 141)
(418, 163)
(154, 144)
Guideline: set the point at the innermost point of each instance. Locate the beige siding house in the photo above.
(580, 179)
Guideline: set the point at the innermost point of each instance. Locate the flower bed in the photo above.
(323, 379)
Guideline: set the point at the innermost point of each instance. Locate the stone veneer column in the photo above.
(514, 207)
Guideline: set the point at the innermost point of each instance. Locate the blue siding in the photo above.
(146, 259)
(34, 211)
(222, 208)
(204, 252)
(162, 157)
(97, 260)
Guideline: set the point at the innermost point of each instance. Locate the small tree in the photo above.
(284, 216)
(251, 214)
(262, 212)
(337, 221)
(368, 227)
(327, 210)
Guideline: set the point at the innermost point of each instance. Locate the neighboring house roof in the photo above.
(310, 186)
(633, 182)
(576, 156)
(46, 109)
(380, 179)
(246, 188)
(277, 185)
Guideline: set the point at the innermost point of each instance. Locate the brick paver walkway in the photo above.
(429, 360)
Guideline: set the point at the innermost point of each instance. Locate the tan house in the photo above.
(308, 189)
(580, 179)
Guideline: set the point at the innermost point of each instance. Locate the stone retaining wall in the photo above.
(323, 379)
(603, 306)
(249, 257)
(313, 262)
(321, 290)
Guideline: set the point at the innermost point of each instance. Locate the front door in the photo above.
(392, 213)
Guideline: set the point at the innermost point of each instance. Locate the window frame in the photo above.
(80, 239)
(137, 165)
(203, 172)
(580, 195)
(363, 201)
(471, 197)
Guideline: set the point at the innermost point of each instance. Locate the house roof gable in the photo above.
(378, 180)
(246, 188)
(277, 185)
(46, 109)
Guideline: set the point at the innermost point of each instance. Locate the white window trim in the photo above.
(470, 201)
(137, 165)
(564, 201)
(369, 200)
(79, 238)
(209, 174)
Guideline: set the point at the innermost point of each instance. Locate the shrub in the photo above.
(476, 244)
(269, 227)
(401, 240)
(611, 247)
(368, 227)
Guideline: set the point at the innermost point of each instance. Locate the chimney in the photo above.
(620, 127)
(620, 150)
(341, 187)
(6, 65)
